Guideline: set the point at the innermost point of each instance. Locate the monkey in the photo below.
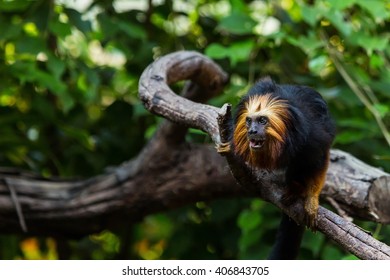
(288, 128)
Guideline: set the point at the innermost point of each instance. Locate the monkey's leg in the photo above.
(315, 185)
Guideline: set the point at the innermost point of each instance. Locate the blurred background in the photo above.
(69, 74)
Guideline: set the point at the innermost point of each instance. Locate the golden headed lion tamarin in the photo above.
(286, 127)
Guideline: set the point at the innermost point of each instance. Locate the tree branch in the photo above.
(270, 186)
(183, 173)
(161, 100)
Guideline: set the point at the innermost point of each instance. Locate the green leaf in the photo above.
(341, 5)
(382, 85)
(240, 51)
(318, 64)
(27, 71)
(46, 80)
(76, 19)
(236, 52)
(331, 253)
(350, 257)
(56, 66)
(356, 123)
(311, 14)
(109, 28)
(93, 83)
(369, 42)
(150, 131)
(307, 43)
(377, 8)
(350, 136)
(249, 220)
(132, 30)
(313, 242)
(44, 108)
(382, 109)
(67, 101)
(216, 51)
(377, 61)
(81, 136)
(237, 23)
(239, 5)
(248, 240)
(15, 6)
(30, 45)
(338, 20)
(60, 29)
(8, 30)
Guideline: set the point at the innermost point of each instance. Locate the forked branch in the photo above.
(345, 172)
(169, 173)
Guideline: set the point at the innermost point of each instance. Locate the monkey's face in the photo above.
(265, 120)
(261, 129)
(256, 126)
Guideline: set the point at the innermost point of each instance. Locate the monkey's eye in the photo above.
(248, 121)
(262, 120)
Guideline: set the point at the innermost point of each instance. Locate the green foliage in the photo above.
(68, 103)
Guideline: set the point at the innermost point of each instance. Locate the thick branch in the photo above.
(163, 177)
(270, 186)
(359, 189)
(161, 100)
(181, 173)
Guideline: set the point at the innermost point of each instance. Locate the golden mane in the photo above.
(277, 113)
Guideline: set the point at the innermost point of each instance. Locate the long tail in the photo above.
(288, 240)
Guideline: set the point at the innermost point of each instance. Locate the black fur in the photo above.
(288, 240)
(309, 136)
(311, 132)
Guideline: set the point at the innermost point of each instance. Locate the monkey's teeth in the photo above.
(256, 143)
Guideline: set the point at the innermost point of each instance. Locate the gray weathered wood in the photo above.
(270, 186)
(169, 173)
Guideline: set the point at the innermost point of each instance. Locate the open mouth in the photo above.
(256, 143)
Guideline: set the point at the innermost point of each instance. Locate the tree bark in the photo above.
(170, 173)
(267, 186)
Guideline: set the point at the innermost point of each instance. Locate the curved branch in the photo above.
(269, 187)
(161, 100)
(182, 173)
(125, 194)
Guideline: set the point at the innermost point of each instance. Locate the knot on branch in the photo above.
(225, 129)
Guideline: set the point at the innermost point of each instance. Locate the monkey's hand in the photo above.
(223, 148)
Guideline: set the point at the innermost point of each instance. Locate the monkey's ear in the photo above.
(266, 79)
(262, 86)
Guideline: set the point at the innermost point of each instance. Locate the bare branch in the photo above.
(184, 173)
(161, 100)
(181, 174)
(270, 186)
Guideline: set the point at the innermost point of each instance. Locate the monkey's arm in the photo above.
(305, 179)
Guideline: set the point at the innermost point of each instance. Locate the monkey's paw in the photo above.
(223, 148)
(310, 218)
